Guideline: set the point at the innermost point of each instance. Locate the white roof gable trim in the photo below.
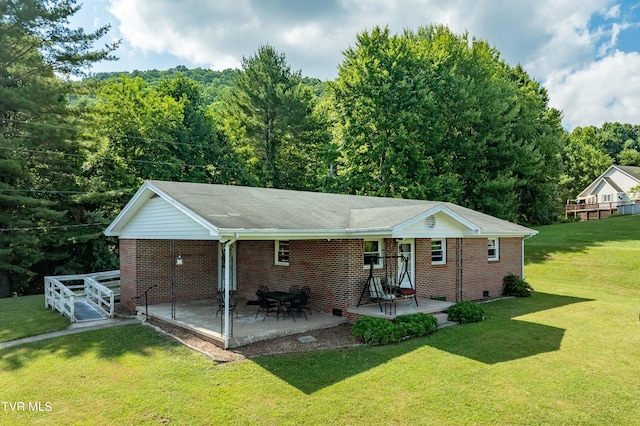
(402, 230)
(594, 186)
(146, 192)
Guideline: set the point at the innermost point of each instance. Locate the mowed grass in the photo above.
(26, 316)
(567, 355)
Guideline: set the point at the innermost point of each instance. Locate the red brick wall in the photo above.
(128, 273)
(329, 268)
(435, 280)
(480, 274)
(332, 269)
(144, 263)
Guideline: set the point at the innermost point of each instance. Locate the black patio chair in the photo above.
(265, 306)
(233, 304)
(294, 307)
(305, 294)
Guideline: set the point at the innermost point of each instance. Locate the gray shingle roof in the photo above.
(239, 207)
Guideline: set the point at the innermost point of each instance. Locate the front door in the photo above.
(232, 267)
(406, 253)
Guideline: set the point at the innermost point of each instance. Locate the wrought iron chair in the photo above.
(296, 307)
(233, 304)
(305, 294)
(265, 306)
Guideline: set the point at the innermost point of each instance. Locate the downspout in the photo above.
(522, 255)
(226, 244)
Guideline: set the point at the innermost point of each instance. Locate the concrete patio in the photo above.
(199, 317)
(403, 307)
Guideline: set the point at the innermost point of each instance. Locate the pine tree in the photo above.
(39, 151)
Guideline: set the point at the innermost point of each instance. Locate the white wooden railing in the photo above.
(100, 290)
(59, 297)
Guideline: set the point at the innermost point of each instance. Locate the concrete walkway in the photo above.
(73, 329)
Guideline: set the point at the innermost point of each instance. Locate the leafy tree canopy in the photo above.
(431, 114)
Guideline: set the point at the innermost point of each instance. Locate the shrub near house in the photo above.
(381, 331)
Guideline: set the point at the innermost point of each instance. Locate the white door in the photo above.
(406, 253)
(232, 267)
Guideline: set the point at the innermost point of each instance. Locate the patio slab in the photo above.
(199, 317)
(403, 307)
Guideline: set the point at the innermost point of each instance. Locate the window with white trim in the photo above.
(493, 248)
(282, 253)
(606, 198)
(373, 252)
(438, 252)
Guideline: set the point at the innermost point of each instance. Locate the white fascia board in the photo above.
(587, 191)
(636, 177)
(302, 234)
(504, 234)
(440, 208)
(213, 230)
(142, 195)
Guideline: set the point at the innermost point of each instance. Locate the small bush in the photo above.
(516, 286)
(381, 331)
(416, 325)
(373, 331)
(465, 313)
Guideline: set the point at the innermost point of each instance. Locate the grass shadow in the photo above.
(498, 339)
(502, 338)
(108, 343)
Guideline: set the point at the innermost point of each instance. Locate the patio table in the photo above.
(282, 297)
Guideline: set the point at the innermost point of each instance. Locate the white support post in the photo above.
(227, 245)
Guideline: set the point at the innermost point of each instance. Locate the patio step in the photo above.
(442, 319)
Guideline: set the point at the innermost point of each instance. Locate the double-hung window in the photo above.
(373, 253)
(493, 249)
(282, 253)
(438, 252)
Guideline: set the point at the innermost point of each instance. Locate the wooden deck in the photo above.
(590, 211)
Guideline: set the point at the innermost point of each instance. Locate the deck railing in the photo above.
(100, 290)
(591, 207)
(60, 297)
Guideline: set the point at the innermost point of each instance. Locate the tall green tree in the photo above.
(431, 114)
(206, 151)
(584, 160)
(38, 142)
(268, 114)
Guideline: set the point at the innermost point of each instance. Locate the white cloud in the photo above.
(607, 90)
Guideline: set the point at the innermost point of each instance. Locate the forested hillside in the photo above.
(425, 114)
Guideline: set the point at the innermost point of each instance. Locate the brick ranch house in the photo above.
(203, 237)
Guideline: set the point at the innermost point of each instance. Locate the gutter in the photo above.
(522, 254)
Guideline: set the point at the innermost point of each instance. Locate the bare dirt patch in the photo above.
(328, 338)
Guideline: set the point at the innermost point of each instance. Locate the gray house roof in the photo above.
(248, 213)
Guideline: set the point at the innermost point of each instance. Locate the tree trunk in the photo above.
(5, 284)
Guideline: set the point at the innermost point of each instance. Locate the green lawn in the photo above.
(567, 355)
(26, 316)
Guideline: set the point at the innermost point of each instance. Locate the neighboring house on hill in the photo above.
(281, 238)
(608, 194)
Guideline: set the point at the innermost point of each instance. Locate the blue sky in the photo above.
(586, 53)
